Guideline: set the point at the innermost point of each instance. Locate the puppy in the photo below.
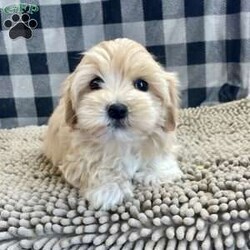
(115, 123)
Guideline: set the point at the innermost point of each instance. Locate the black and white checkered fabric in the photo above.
(206, 41)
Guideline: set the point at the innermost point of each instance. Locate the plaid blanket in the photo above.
(206, 42)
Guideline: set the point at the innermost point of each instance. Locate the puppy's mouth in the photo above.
(117, 124)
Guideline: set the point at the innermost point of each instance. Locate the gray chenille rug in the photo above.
(208, 209)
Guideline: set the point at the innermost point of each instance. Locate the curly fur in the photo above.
(103, 161)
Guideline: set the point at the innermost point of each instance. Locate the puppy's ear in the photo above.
(70, 115)
(172, 102)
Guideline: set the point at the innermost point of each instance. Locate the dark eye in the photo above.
(95, 84)
(141, 85)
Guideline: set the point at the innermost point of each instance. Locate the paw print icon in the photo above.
(20, 26)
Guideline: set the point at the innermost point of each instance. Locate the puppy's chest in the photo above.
(130, 163)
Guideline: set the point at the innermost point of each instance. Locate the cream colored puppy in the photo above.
(115, 123)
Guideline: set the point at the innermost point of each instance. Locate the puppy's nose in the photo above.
(117, 111)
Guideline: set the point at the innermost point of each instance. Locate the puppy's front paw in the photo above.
(159, 172)
(147, 177)
(156, 178)
(106, 196)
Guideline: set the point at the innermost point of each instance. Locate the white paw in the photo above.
(171, 175)
(159, 172)
(106, 196)
(147, 177)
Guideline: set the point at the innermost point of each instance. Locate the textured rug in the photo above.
(208, 209)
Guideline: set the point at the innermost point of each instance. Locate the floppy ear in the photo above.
(172, 103)
(70, 115)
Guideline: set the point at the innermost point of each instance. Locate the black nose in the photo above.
(117, 111)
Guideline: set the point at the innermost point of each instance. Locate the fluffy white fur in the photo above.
(104, 161)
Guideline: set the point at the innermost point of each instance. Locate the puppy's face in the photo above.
(119, 91)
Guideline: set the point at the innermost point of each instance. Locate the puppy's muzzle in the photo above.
(117, 111)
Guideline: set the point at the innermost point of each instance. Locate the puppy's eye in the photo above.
(141, 85)
(95, 84)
